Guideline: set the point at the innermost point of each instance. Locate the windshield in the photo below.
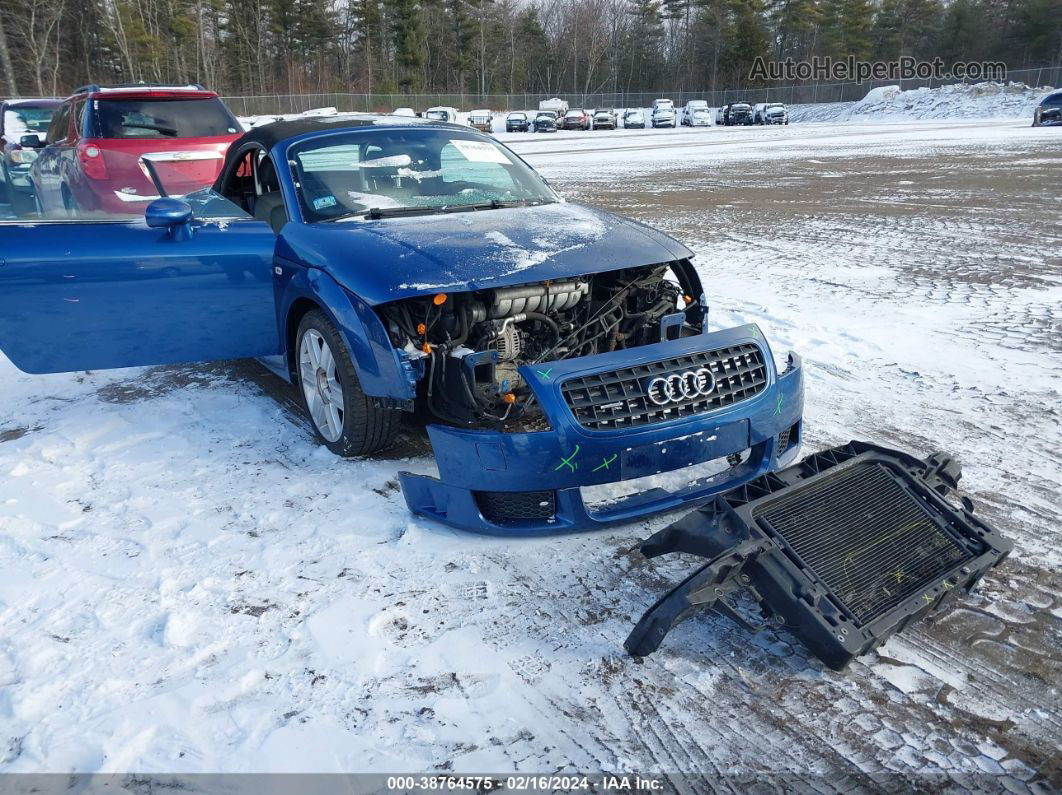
(517, 116)
(26, 120)
(162, 118)
(393, 172)
(440, 115)
(1053, 101)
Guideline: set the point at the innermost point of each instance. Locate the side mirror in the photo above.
(30, 142)
(172, 214)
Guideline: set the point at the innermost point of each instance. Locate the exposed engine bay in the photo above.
(470, 346)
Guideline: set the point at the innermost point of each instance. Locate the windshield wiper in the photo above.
(375, 213)
(493, 204)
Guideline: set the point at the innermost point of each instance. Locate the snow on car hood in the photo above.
(395, 258)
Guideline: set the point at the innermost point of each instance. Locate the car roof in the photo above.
(144, 91)
(32, 102)
(268, 135)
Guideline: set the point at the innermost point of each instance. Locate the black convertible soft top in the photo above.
(270, 134)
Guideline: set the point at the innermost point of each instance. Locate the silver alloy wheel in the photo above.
(320, 385)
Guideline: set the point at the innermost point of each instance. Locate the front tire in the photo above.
(344, 419)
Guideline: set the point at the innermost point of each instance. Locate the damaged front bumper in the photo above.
(534, 483)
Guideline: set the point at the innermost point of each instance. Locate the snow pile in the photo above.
(959, 101)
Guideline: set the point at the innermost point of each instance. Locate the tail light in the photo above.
(90, 157)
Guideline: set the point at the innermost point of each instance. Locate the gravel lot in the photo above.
(191, 585)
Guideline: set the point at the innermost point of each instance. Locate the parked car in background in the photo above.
(1049, 112)
(558, 106)
(404, 112)
(441, 113)
(576, 119)
(482, 120)
(604, 120)
(695, 113)
(634, 119)
(770, 113)
(737, 113)
(23, 128)
(517, 121)
(663, 114)
(545, 121)
(100, 136)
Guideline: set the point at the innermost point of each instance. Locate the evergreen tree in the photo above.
(846, 28)
(409, 40)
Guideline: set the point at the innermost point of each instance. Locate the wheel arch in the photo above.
(374, 358)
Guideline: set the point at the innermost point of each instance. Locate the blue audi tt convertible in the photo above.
(388, 265)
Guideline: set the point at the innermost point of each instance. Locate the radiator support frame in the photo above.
(746, 554)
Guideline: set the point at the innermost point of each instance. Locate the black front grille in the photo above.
(618, 398)
(869, 539)
(505, 507)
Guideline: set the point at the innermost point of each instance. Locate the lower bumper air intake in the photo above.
(843, 549)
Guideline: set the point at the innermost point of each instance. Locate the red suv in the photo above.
(92, 161)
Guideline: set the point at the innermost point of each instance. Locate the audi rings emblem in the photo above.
(678, 387)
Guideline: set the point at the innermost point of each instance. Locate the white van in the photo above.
(558, 106)
(441, 113)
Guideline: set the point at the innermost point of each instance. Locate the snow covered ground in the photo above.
(959, 101)
(190, 584)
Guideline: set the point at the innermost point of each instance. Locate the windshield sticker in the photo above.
(323, 202)
(481, 152)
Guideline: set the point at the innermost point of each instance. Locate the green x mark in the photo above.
(545, 373)
(778, 405)
(755, 332)
(927, 597)
(605, 462)
(568, 462)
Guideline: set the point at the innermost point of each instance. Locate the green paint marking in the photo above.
(947, 585)
(605, 462)
(545, 373)
(568, 462)
(928, 598)
(898, 575)
(778, 405)
(755, 332)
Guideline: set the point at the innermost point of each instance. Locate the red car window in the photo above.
(163, 118)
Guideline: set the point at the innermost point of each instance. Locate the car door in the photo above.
(86, 294)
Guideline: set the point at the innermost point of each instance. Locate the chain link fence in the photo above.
(812, 93)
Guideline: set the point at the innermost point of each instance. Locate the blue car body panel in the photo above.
(569, 456)
(98, 295)
(397, 258)
(95, 295)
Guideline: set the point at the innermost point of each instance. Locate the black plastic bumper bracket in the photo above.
(843, 548)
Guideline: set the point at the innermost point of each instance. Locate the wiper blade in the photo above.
(375, 213)
(493, 204)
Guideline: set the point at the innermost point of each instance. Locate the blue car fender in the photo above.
(383, 371)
